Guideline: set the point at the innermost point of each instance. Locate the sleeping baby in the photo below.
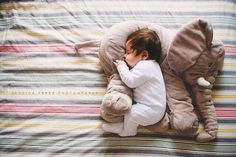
(141, 72)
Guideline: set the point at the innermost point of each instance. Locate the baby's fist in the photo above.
(119, 62)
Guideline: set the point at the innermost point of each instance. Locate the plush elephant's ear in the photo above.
(188, 44)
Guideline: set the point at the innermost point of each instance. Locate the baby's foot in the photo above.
(113, 127)
(125, 134)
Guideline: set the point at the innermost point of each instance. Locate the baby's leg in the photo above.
(113, 127)
(139, 115)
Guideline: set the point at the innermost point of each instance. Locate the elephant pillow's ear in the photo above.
(112, 45)
(113, 42)
(188, 44)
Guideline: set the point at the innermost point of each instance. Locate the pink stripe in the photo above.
(226, 113)
(230, 49)
(232, 46)
(19, 48)
(51, 109)
(81, 109)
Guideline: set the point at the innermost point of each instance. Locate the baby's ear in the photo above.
(145, 55)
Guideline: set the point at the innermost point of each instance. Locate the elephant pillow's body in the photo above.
(190, 62)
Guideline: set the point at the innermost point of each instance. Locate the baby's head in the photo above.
(143, 44)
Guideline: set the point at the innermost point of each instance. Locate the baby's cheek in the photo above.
(131, 65)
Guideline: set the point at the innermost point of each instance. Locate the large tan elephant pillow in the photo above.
(190, 62)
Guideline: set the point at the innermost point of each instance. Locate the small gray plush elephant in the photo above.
(190, 62)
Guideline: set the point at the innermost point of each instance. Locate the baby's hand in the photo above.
(119, 62)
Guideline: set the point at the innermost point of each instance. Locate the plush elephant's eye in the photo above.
(209, 64)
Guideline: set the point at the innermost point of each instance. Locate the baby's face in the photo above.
(130, 56)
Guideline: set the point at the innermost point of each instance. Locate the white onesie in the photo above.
(147, 82)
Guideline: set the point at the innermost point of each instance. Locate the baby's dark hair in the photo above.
(146, 39)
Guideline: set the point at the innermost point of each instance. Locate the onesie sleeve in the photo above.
(136, 77)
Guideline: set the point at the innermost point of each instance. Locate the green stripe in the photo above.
(69, 21)
(95, 141)
(78, 76)
(226, 80)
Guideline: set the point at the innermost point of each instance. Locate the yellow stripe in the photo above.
(227, 130)
(35, 34)
(220, 130)
(224, 96)
(230, 64)
(53, 126)
(30, 7)
(201, 129)
(227, 34)
(52, 93)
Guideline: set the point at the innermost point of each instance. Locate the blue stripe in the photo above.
(230, 56)
(226, 42)
(217, 87)
(126, 12)
(77, 117)
(51, 1)
(105, 24)
(225, 105)
(221, 73)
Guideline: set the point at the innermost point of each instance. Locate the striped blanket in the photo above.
(50, 91)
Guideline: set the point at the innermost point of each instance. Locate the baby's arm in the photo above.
(132, 79)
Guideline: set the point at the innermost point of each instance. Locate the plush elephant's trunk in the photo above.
(206, 108)
(117, 101)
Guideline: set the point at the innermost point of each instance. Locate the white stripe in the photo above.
(113, 5)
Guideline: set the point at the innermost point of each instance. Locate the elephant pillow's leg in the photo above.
(183, 119)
